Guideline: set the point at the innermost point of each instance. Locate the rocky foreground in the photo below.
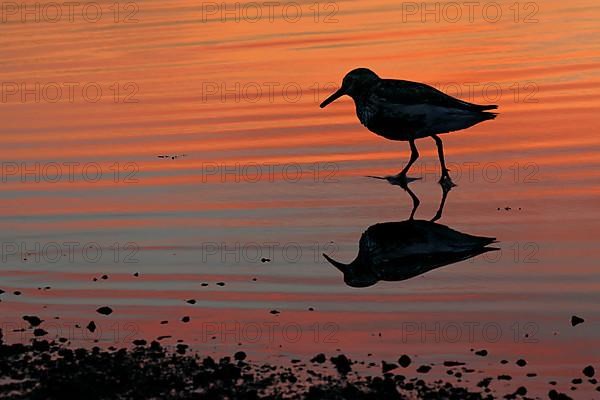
(49, 370)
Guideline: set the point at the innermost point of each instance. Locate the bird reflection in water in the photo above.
(396, 251)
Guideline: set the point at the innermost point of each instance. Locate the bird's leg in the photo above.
(445, 190)
(414, 155)
(445, 171)
(440, 148)
(414, 198)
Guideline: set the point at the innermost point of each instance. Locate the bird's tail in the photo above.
(488, 115)
(489, 107)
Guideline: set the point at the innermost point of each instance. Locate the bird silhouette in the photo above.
(406, 111)
(397, 251)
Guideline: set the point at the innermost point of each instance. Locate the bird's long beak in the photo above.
(340, 92)
(338, 265)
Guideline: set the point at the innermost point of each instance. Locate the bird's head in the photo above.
(354, 83)
(356, 274)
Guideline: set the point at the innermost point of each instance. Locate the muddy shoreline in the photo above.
(49, 370)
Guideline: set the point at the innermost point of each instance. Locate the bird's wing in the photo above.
(392, 91)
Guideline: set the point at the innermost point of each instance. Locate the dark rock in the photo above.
(104, 310)
(453, 363)
(91, 326)
(554, 395)
(319, 358)
(589, 371)
(181, 348)
(33, 320)
(575, 320)
(485, 382)
(39, 332)
(423, 369)
(387, 367)
(404, 361)
(521, 391)
(342, 364)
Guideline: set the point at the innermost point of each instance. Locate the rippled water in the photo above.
(262, 172)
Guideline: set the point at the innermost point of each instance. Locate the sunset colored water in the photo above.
(183, 141)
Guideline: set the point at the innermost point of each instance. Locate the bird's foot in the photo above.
(401, 179)
(446, 182)
(398, 180)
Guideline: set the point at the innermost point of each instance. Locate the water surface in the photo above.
(263, 172)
